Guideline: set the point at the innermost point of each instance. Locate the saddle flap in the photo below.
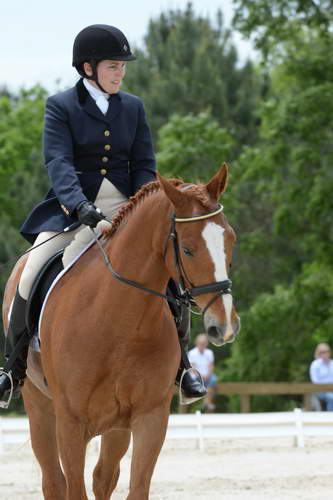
(40, 287)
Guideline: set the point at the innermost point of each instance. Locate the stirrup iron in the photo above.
(5, 404)
(183, 400)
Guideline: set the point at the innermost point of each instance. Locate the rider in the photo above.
(98, 152)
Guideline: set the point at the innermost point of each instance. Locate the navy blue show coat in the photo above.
(82, 147)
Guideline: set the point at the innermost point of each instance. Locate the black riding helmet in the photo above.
(96, 43)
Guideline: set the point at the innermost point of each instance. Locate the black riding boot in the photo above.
(15, 366)
(190, 380)
(192, 385)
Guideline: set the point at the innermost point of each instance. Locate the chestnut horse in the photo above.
(109, 351)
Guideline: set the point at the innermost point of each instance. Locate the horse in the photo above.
(109, 350)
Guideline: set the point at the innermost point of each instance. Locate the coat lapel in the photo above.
(90, 107)
(114, 107)
(93, 110)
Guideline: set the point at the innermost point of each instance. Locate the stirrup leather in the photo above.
(6, 403)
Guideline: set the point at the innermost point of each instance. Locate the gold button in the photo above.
(105, 159)
(65, 209)
(103, 171)
(107, 133)
(107, 147)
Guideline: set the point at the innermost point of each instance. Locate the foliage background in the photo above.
(272, 121)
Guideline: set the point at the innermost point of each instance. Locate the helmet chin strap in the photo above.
(94, 76)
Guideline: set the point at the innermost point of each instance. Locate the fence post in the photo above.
(200, 441)
(299, 427)
(245, 403)
(307, 402)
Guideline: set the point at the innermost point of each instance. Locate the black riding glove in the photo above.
(88, 214)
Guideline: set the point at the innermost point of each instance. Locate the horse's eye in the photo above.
(188, 252)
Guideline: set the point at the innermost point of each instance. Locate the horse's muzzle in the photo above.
(221, 334)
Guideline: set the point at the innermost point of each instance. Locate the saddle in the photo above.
(39, 290)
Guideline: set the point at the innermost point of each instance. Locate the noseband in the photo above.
(188, 292)
(222, 287)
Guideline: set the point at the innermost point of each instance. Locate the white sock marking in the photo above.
(214, 238)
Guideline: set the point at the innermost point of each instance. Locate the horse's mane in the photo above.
(196, 190)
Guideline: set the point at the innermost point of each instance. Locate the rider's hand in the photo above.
(88, 214)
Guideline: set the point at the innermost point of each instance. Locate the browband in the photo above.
(199, 217)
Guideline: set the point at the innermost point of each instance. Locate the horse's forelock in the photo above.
(201, 196)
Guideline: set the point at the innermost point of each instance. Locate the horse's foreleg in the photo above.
(43, 439)
(148, 436)
(72, 438)
(113, 447)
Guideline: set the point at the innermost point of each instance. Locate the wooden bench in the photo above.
(247, 389)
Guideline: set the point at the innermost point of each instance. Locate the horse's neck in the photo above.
(138, 245)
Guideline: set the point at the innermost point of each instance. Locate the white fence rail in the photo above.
(218, 426)
(297, 424)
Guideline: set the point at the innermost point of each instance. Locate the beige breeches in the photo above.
(108, 199)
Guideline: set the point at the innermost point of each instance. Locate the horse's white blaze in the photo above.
(10, 310)
(213, 234)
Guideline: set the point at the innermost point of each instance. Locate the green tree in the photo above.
(271, 23)
(282, 202)
(192, 147)
(21, 120)
(190, 65)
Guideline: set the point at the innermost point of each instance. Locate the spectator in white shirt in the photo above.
(202, 359)
(321, 372)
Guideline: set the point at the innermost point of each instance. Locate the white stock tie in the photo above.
(102, 103)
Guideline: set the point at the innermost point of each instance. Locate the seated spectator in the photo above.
(202, 359)
(321, 372)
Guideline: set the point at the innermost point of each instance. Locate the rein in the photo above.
(170, 298)
(222, 287)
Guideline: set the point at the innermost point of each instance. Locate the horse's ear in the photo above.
(218, 184)
(175, 196)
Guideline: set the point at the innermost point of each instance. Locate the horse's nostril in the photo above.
(215, 335)
(213, 331)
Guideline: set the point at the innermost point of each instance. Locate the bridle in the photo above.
(188, 291)
(222, 287)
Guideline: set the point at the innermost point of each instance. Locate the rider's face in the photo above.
(110, 74)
